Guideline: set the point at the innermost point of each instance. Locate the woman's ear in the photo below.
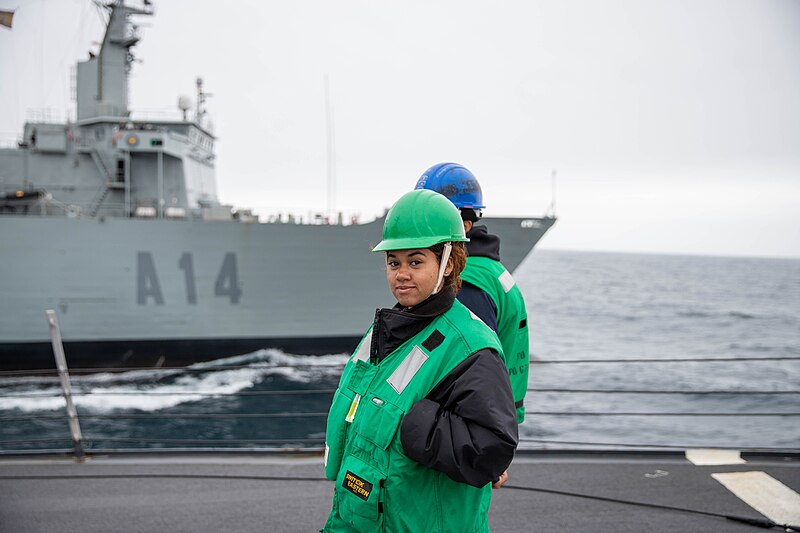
(449, 269)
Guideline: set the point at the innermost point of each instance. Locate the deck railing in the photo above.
(88, 431)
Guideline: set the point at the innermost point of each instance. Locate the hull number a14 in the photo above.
(148, 286)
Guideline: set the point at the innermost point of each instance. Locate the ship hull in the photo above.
(131, 292)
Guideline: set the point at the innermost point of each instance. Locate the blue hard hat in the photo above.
(454, 181)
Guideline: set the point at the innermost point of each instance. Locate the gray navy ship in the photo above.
(115, 222)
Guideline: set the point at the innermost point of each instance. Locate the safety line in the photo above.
(165, 476)
(296, 415)
(589, 413)
(667, 360)
(175, 393)
(170, 416)
(311, 392)
(187, 369)
(645, 391)
(675, 446)
(206, 441)
(268, 366)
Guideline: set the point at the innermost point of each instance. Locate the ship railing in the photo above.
(309, 406)
(10, 142)
(157, 115)
(46, 115)
(50, 207)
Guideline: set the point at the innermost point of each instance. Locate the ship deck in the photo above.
(246, 492)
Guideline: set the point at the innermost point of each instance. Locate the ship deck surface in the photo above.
(251, 492)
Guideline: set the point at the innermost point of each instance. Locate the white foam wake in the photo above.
(153, 389)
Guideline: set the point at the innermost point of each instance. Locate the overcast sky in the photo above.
(674, 125)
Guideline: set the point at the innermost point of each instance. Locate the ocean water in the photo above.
(610, 336)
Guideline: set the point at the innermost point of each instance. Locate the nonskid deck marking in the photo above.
(763, 493)
(712, 457)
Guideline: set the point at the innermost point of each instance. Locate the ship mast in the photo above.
(551, 211)
(103, 79)
(331, 154)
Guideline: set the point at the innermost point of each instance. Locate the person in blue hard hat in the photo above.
(488, 289)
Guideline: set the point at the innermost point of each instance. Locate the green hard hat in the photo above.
(420, 219)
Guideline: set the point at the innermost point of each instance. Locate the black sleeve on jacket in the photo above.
(467, 426)
(477, 301)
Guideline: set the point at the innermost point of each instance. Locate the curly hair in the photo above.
(459, 257)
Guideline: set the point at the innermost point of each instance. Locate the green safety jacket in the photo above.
(377, 486)
(512, 320)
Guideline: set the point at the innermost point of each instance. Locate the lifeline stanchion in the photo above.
(63, 374)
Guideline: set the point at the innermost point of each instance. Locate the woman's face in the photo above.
(412, 274)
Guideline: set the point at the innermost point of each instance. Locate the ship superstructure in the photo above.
(106, 163)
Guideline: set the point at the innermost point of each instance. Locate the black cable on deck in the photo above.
(753, 521)
(763, 523)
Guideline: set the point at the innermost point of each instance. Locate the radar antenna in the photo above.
(184, 104)
(200, 112)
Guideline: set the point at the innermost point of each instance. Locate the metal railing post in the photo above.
(63, 374)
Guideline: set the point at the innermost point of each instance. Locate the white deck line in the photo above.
(765, 494)
(711, 457)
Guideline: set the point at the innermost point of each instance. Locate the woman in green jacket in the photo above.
(423, 421)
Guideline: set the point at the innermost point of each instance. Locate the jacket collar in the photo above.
(393, 327)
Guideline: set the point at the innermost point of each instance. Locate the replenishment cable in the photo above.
(753, 521)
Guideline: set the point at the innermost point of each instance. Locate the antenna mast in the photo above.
(200, 111)
(331, 153)
(552, 209)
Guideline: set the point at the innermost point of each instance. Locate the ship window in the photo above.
(120, 170)
(156, 142)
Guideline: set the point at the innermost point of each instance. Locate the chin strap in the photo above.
(448, 246)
